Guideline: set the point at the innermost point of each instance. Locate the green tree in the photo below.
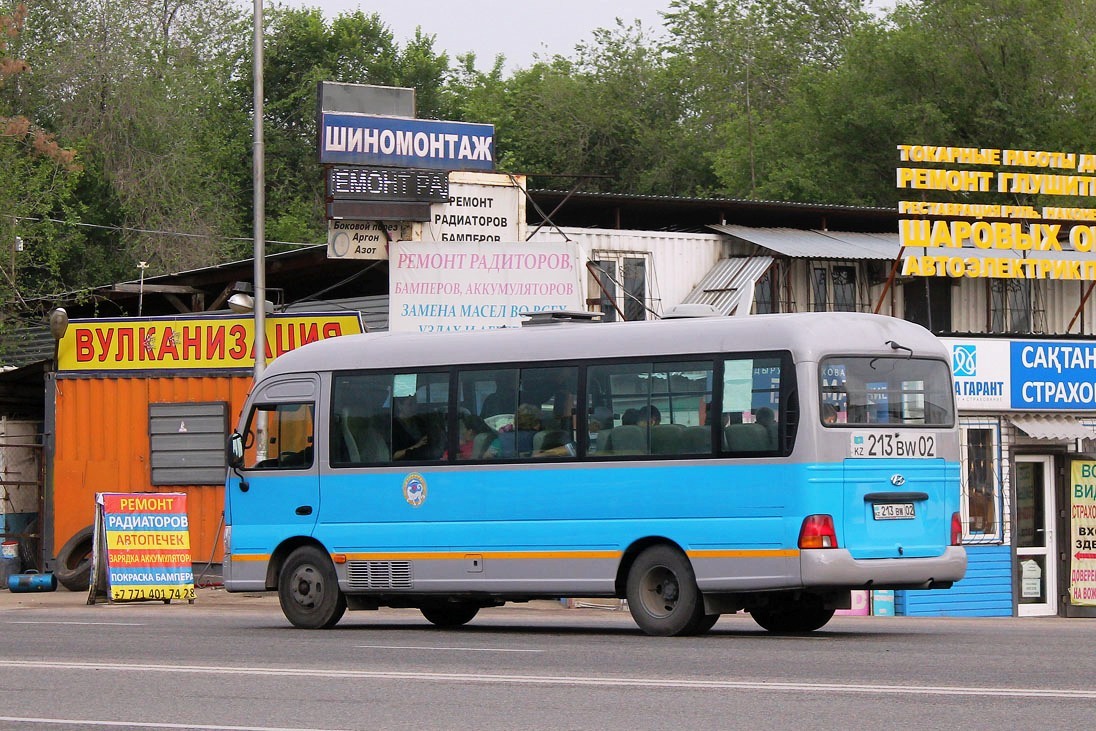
(303, 49)
(129, 84)
(38, 176)
(987, 73)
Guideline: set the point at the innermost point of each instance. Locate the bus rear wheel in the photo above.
(308, 590)
(663, 596)
(449, 614)
(792, 615)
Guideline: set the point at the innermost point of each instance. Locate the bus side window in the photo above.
(361, 420)
(753, 409)
(280, 436)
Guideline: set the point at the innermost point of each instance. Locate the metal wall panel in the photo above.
(677, 260)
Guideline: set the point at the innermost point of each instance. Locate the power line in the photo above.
(131, 229)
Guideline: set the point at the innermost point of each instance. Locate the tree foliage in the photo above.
(38, 176)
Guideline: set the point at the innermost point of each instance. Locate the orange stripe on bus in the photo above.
(462, 555)
(535, 555)
(746, 553)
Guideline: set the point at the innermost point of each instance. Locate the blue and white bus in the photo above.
(695, 467)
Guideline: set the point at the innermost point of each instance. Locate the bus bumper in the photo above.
(836, 568)
(243, 575)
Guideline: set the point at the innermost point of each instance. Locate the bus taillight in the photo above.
(956, 530)
(818, 532)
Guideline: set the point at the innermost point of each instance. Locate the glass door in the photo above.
(1036, 569)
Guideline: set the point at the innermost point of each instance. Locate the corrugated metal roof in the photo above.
(374, 309)
(728, 281)
(815, 244)
(1052, 426)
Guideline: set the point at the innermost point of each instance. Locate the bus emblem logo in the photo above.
(898, 480)
(414, 489)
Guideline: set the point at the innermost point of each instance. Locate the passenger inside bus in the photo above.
(409, 437)
(527, 423)
(477, 440)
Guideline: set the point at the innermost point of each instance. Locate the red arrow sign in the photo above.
(1080, 556)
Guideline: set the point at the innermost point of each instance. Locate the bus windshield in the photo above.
(893, 391)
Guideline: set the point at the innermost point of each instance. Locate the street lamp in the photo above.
(259, 199)
(142, 265)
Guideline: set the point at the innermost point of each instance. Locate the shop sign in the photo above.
(207, 342)
(1023, 375)
(363, 139)
(449, 287)
(1082, 533)
(142, 546)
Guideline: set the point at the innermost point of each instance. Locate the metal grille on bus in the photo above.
(379, 574)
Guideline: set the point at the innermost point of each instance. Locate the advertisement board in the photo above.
(447, 287)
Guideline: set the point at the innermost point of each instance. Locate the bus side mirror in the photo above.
(235, 450)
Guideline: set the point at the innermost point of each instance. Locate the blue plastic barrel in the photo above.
(32, 581)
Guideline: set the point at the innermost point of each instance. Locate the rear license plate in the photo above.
(893, 511)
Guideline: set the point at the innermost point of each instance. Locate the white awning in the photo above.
(812, 244)
(1052, 426)
(729, 282)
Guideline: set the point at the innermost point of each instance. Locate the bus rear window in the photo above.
(896, 391)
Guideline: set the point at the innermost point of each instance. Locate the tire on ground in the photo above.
(73, 565)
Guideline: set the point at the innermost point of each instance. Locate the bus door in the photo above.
(895, 506)
(276, 494)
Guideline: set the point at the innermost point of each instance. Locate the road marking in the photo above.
(452, 649)
(139, 724)
(565, 680)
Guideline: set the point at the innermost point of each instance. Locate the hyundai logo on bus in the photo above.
(897, 480)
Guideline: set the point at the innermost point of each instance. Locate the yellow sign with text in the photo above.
(207, 342)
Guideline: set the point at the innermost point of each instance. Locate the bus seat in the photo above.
(751, 437)
(372, 446)
(480, 444)
(666, 438)
(696, 440)
(350, 444)
(627, 439)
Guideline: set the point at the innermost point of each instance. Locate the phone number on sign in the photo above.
(141, 594)
(892, 444)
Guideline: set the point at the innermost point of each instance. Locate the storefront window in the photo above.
(981, 484)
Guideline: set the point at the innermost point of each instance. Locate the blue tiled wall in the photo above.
(986, 590)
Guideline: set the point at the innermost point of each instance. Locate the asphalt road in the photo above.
(233, 662)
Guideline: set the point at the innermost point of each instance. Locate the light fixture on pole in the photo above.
(242, 302)
(142, 265)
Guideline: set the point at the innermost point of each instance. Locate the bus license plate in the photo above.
(893, 511)
(877, 445)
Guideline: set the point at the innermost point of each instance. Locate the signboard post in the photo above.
(142, 548)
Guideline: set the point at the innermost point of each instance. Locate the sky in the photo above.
(518, 29)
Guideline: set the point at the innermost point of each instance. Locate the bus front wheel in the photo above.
(791, 615)
(308, 590)
(662, 594)
(452, 614)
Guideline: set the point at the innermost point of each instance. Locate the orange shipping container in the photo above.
(124, 393)
(101, 443)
